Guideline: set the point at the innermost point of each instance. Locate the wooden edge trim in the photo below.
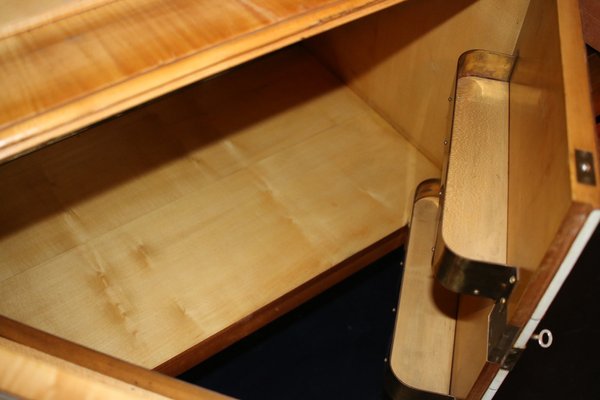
(483, 382)
(590, 16)
(572, 223)
(102, 363)
(578, 104)
(282, 305)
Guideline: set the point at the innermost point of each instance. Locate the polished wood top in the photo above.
(66, 64)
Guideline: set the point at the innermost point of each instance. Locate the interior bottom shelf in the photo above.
(153, 232)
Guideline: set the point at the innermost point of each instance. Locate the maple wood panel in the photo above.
(38, 365)
(403, 61)
(96, 61)
(153, 232)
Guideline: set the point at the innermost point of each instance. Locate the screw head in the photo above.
(585, 167)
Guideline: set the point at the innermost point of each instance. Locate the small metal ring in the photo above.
(544, 338)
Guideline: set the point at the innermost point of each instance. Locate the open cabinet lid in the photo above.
(520, 189)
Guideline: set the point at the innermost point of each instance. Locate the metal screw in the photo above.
(502, 300)
(512, 280)
(445, 142)
(476, 292)
(585, 167)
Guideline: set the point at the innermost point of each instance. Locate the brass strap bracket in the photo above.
(455, 272)
(477, 278)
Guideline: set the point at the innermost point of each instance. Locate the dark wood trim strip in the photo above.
(484, 380)
(594, 71)
(568, 231)
(284, 304)
(132, 374)
(590, 18)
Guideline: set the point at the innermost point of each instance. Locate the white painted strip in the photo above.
(496, 382)
(526, 333)
(500, 376)
(561, 275)
(489, 394)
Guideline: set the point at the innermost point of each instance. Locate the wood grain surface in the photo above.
(403, 61)
(108, 56)
(549, 96)
(32, 374)
(578, 108)
(66, 367)
(282, 305)
(423, 343)
(594, 70)
(476, 193)
(19, 16)
(550, 117)
(539, 199)
(590, 16)
(153, 232)
(475, 209)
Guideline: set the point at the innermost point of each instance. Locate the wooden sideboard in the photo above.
(178, 174)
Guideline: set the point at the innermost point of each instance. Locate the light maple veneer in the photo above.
(66, 64)
(153, 232)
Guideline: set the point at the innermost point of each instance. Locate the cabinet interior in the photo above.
(189, 213)
(155, 231)
(168, 232)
